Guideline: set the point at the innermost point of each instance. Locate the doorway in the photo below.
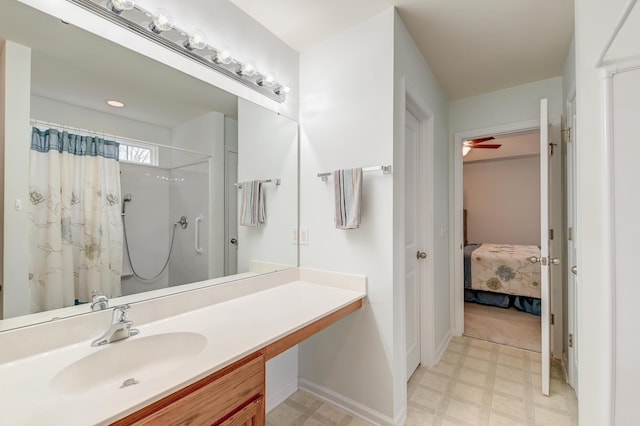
(550, 201)
(501, 227)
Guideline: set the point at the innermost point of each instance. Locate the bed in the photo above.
(501, 274)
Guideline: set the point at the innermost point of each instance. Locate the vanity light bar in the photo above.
(140, 22)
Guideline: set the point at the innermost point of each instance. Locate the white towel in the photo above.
(348, 197)
(252, 211)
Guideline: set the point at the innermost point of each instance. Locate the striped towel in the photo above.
(348, 197)
(252, 211)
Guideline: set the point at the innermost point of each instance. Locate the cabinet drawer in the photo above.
(208, 400)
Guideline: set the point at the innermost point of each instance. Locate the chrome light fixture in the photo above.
(117, 6)
(160, 28)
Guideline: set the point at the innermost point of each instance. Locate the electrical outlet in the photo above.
(304, 236)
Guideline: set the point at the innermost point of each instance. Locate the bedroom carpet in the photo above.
(504, 326)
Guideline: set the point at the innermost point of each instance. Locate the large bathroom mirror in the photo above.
(185, 185)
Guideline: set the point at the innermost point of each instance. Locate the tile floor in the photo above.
(475, 383)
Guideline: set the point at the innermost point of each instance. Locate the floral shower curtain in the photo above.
(76, 227)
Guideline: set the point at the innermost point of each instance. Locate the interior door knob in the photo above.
(534, 259)
(421, 255)
(574, 270)
(233, 241)
(554, 261)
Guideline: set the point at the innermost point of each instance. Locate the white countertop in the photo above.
(233, 329)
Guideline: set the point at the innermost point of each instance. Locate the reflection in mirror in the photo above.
(164, 194)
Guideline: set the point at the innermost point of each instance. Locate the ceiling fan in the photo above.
(470, 144)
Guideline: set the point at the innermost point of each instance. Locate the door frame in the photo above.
(457, 284)
(414, 103)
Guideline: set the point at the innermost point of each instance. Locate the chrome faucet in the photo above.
(121, 327)
(99, 301)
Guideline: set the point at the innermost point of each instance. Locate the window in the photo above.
(138, 153)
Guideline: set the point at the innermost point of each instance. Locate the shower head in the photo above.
(126, 199)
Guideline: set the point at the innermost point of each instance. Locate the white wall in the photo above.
(206, 134)
(15, 83)
(222, 21)
(346, 121)
(268, 149)
(595, 21)
(413, 77)
(502, 198)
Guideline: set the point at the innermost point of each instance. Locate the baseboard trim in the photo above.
(352, 407)
(275, 398)
(442, 347)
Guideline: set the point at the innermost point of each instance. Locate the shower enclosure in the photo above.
(165, 213)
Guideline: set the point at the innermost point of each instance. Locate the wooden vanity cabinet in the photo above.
(233, 396)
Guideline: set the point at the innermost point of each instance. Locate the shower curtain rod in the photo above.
(87, 132)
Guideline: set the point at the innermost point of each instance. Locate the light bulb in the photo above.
(162, 21)
(282, 89)
(465, 150)
(196, 40)
(267, 80)
(223, 56)
(248, 69)
(118, 6)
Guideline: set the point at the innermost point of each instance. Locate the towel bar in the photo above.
(385, 170)
(276, 181)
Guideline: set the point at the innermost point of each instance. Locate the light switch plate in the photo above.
(304, 236)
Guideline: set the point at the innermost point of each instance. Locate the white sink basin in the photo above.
(129, 362)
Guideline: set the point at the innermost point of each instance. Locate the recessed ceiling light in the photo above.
(116, 104)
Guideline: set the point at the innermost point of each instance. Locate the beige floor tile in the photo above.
(283, 414)
(479, 353)
(551, 418)
(507, 405)
(458, 393)
(444, 368)
(332, 413)
(555, 401)
(509, 373)
(426, 398)
(418, 417)
(496, 419)
(357, 422)
(306, 400)
(472, 377)
(510, 361)
(311, 421)
(469, 393)
(509, 387)
(469, 413)
(435, 381)
(451, 357)
(477, 364)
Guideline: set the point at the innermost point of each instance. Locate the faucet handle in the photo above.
(99, 301)
(121, 312)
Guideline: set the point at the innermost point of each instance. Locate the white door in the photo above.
(231, 219)
(413, 250)
(544, 245)
(572, 242)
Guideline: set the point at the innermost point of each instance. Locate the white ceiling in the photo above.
(473, 46)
